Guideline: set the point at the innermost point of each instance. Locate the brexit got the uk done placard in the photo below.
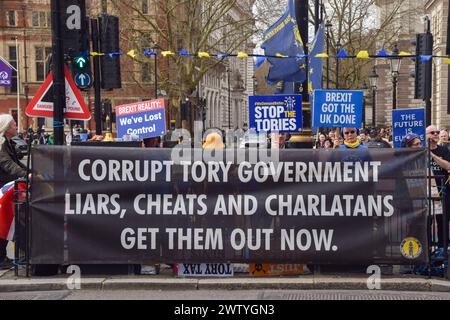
(338, 108)
(276, 114)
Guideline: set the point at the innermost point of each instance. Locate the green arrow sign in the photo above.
(81, 62)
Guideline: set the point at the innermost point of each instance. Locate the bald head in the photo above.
(433, 135)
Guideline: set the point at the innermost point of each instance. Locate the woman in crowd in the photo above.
(411, 141)
(351, 140)
(10, 169)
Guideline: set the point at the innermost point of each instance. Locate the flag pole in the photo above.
(18, 86)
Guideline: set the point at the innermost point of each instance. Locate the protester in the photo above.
(152, 142)
(443, 139)
(363, 137)
(214, 141)
(351, 140)
(440, 164)
(10, 169)
(320, 143)
(328, 144)
(411, 141)
(338, 142)
(332, 135)
(376, 140)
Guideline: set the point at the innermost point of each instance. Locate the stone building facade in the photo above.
(30, 22)
(410, 21)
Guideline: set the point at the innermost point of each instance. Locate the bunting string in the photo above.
(342, 54)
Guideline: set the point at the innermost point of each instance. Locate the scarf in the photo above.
(353, 145)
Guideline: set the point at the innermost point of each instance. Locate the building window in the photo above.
(41, 19)
(41, 57)
(11, 19)
(146, 74)
(13, 62)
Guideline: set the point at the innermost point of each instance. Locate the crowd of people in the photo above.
(372, 138)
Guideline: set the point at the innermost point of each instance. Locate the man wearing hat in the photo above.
(10, 168)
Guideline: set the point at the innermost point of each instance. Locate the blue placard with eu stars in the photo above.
(276, 113)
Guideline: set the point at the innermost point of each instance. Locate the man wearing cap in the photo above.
(440, 164)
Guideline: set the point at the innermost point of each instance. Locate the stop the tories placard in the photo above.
(276, 114)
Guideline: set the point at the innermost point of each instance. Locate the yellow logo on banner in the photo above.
(411, 248)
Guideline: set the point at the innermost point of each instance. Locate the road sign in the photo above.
(42, 103)
(81, 62)
(82, 80)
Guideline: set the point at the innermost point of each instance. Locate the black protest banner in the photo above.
(160, 205)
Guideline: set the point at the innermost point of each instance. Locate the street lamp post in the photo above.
(373, 78)
(229, 97)
(255, 85)
(328, 25)
(395, 64)
(156, 47)
(365, 89)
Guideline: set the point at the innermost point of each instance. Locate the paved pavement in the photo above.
(401, 283)
(223, 295)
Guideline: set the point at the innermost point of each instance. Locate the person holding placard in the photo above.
(351, 140)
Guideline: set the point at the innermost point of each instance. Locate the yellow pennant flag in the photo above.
(322, 55)
(132, 53)
(279, 55)
(446, 60)
(97, 54)
(404, 54)
(242, 55)
(167, 53)
(204, 55)
(363, 55)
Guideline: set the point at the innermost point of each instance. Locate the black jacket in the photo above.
(10, 167)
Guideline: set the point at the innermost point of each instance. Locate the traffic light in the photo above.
(81, 71)
(424, 69)
(109, 43)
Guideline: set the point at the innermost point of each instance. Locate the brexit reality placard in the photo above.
(337, 108)
(144, 119)
(408, 121)
(276, 113)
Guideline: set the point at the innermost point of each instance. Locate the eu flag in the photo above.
(284, 38)
(316, 64)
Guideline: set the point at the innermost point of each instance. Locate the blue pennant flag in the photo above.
(424, 59)
(342, 54)
(316, 64)
(383, 53)
(259, 61)
(284, 38)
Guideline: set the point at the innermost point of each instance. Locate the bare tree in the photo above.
(360, 25)
(195, 26)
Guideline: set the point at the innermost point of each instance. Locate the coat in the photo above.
(10, 167)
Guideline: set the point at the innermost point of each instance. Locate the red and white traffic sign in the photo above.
(42, 103)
